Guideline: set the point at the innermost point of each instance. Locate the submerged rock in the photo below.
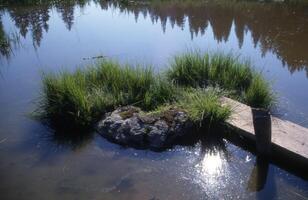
(130, 127)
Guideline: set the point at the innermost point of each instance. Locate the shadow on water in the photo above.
(5, 46)
(74, 142)
(258, 175)
(292, 165)
(52, 141)
(61, 134)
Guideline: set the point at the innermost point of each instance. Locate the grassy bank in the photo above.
(78, 100)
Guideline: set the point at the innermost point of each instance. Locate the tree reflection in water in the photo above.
(281, 28)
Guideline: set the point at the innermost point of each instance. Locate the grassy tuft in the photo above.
(200, 70)
(79, 99)
(204, 106)
(226, 71)
(259, 94)
(190, 69)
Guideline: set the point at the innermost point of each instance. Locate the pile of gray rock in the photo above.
(129, 126)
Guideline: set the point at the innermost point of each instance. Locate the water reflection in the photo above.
(5, 45)
(258, 175)
(31, 18)
(211, 165)
(280, 28)
(262, 180)
(74, 143)
(213, 155)
(286, 38)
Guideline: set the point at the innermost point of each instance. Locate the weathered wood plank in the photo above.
(285, 134)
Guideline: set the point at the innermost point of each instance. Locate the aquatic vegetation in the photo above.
(226, 71)
(259, 93)
(200, 70)
(194, 83)
(79, 99)
(204, 106)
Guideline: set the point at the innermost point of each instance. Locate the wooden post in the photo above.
(263, 131)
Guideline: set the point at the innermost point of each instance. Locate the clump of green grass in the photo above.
(77, 100)
(204, 106)
(191, 69)
(259, 94)
(130, 85)
(200, 70)
(226, 71)
(66, 101)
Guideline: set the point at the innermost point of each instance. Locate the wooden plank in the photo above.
(286, 135)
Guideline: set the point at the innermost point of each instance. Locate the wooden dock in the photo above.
(289, 140)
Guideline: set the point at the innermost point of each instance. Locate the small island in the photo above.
(136, 106)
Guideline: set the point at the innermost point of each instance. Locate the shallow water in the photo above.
(35, 165)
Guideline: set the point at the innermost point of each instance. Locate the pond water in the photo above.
(67, 34)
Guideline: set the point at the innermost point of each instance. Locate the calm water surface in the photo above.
(50, 37)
